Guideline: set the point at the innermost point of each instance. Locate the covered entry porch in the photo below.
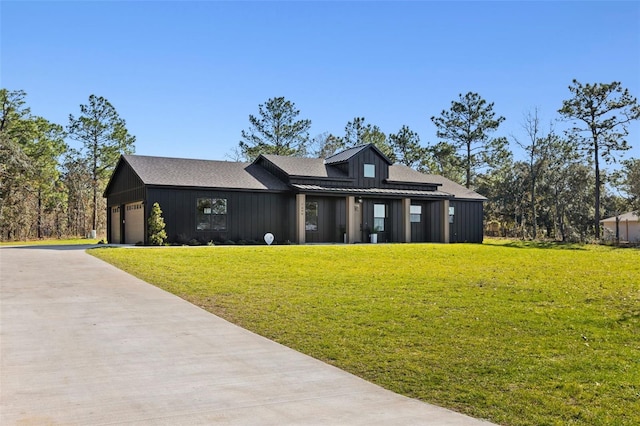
(329, 218)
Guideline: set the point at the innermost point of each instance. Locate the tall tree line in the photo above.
(559, 190)
(47, 188)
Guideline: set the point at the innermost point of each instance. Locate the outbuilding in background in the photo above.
(627, 229)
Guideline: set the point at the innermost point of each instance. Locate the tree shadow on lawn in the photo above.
(546, 245)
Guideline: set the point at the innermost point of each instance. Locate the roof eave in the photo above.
(407, 182)
(216, 188)
(327, 178)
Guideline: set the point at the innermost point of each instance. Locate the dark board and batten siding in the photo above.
(357, 170)
(249, 214)
(429, 229)
(331, 220)
(326, 231)
(125, 187)
(467, 226)
(433, 221)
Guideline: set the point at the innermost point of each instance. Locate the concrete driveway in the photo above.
(85, 343)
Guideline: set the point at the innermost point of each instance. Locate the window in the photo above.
(415, 213)
(379, 215)
(369, 170)
(311, 216)
(211, 214)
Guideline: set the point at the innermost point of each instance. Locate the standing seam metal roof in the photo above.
(373, 191)
(345, 155)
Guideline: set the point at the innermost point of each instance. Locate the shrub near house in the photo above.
(157, 234)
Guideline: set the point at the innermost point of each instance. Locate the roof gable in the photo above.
(348, 154)
(122, 178)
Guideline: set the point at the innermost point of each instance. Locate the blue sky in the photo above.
(186, 75)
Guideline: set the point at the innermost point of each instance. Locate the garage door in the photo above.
(115, 225)
(133, 223)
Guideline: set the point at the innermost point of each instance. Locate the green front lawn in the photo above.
(517, 333)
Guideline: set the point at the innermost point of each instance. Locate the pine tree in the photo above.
(105, 137)
(601, 114)
(276, 130)
(467, 127)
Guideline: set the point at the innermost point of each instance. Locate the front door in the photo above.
(418, 223)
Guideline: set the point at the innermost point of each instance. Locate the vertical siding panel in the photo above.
(253, 218)
(234, 216)
(437, 224)
(270, 218)
(395, 219)
(242, 213)
(467, 222)
(420, 231)
(341, 218)
(291, 213)
(453, 228)
(261, 218)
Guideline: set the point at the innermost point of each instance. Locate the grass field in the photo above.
(517, 333)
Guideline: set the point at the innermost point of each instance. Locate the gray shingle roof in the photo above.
(311, 167)
(164, 171)
(404, 174)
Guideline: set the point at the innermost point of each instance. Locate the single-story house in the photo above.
(344, 198)
(628, 226)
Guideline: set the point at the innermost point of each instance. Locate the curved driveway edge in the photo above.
(82, 342)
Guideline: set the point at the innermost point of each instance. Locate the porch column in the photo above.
(445, 221)
(300, 223)
(406, 219)
(350, 220)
